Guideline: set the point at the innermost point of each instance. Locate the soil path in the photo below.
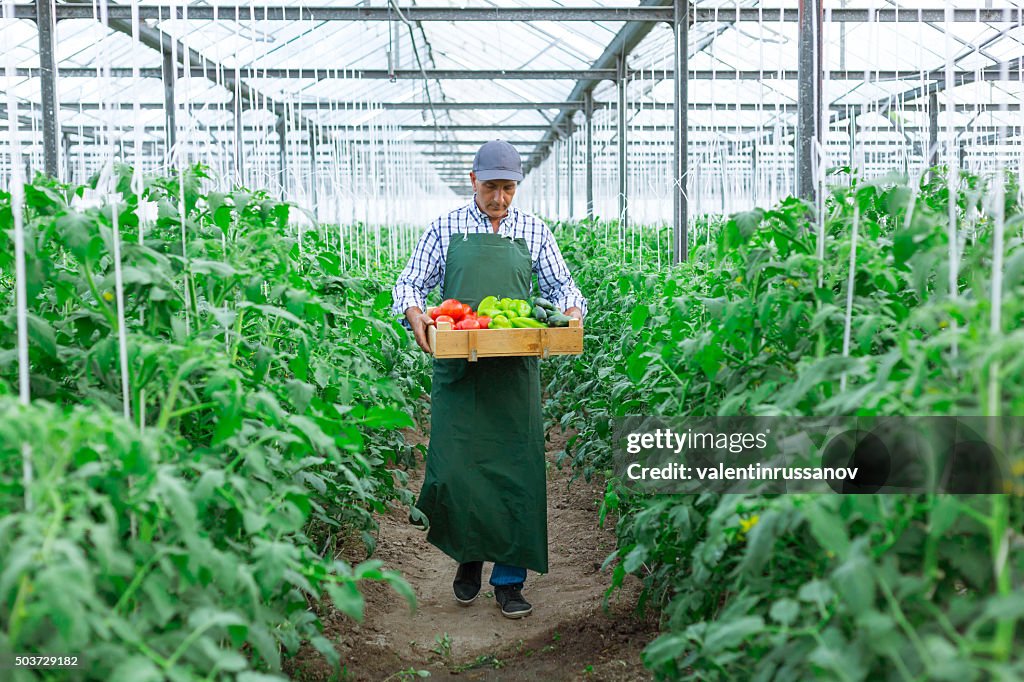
(568, 636)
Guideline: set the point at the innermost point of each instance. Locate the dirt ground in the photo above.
(569, 635)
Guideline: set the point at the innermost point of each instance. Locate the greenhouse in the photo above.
(336, 340)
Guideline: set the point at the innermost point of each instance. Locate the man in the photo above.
(484, 492)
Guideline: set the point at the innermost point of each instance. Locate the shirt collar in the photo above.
(507, 222)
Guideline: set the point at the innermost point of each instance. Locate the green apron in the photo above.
(485, 492)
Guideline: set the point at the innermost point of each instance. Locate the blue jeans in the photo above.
(503, 574)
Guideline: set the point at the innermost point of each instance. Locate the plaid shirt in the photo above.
(426, 266)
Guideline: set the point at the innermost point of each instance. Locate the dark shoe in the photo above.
(510, 599)
(467, 582)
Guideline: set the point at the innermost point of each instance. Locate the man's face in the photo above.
(494, 196)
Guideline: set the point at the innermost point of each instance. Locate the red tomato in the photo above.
(468, 324)
(467, 310)
(433, 312)
(452, 308)
(483, 321)
(444, 318)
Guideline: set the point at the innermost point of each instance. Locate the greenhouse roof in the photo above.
(332, 72)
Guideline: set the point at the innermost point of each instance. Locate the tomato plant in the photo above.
(794, 587)
(267, 390)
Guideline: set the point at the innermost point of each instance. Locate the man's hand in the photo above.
(419, 321)
(575, 312)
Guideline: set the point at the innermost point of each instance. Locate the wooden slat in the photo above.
(491, 343)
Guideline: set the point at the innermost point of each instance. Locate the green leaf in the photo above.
(785, 611)
(136, 669)
(212, 267)
(401, 586)
(272, 311)
(722, 635)
(639, 316)
(387, 418)
(347, 599)
(816, 591)
(664, 649)
(42, 334)
(1009, 607)
(828, 529)
(176, 498)
(635, 559)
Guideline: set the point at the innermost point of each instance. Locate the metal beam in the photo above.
(858, 16)
(809, 95)
(939, 84)
(282, 148)
(475, 143)
(330, 130)
(588, 111)
(165, 44)
(570, 171)
(329, 107)
(170, 109)
(680, 146)
(623, 149)
(244, 13)
(628, 37)
(46, 27)
(933, 129)
(589, 75)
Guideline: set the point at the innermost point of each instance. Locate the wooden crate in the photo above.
(472, 344)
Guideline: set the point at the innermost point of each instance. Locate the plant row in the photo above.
(794, 587)
(266, 390)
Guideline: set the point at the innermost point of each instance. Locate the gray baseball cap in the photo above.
(498, 160)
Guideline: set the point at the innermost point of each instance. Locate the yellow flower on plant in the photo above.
(107, 296)
(748, 523)
(943, 324)
(739, 279)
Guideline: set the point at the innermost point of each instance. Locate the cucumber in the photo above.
(544, 303)
(539, 313)
(527, 323)
(558, 320)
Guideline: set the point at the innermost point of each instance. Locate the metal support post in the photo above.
(588, 110)
(69, 168)
(569, 169)
(933, 130)
(681, 26)
(48, 85)
(809, 95)
(239, 150)
(313, 140)
(753, 172)
(556, 172)
(168, 72)
(282, 146)
(853, 140)
(621, 82)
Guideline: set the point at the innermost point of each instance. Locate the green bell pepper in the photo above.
(487, 306)
(499, 321)
(527, 322)
(521, 308)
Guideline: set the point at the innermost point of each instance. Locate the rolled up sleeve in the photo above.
(555, 280)
(421, 274)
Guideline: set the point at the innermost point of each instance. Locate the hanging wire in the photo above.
(17, 191)
(952, 179)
